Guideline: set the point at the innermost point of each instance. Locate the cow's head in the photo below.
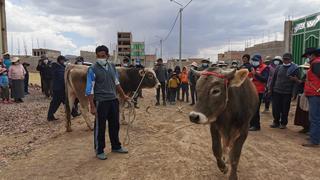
(150, 79)
(212, 91)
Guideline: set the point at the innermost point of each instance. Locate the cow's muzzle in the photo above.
(198, 118)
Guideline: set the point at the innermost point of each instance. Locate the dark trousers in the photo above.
(255, 121)
(163, 90)
(58, 97)
(173, 94)
(280, 108)
(185, 91)
(178, 92)
(267, 101)
(106, 110)
(193, 93)
(47, 87)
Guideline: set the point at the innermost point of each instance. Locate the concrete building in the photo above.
(124, 45)
(138, 52)
(49, 52)
(88, 56)
(3, 26)
(150, 60)
(172, 63)
(229, 56)
(273, 48)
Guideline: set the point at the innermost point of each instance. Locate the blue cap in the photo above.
(256, 57)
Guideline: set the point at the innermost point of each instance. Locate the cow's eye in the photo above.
(150, 76)
(215, 92)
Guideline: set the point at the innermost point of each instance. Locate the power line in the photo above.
(174, 24)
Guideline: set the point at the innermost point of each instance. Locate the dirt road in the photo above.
(42, 150)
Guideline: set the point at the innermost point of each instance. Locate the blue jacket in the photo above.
(58, 77)
(7, 63)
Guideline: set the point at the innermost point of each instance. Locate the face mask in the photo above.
(289, 64)
(255, 63)
(46, 61)
(205, 65)
(65, 63)
(276, 62)
(304, 71)
(102, 62)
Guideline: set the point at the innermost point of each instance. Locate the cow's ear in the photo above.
(142, 72)
(239, 77)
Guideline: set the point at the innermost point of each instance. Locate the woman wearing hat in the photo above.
(16, 75)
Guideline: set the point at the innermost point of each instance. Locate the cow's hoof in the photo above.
(223, 168)
(69, 130)
(124, 123)
(233, 177)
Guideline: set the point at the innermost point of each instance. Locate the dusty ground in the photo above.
(32, 148)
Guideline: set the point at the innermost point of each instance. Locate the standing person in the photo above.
(46, 72)
(312, 91)
(177, 70)
(79, 60)
(26, 78)
(282, 85)
(16, 76)
(193, 82)
(204, 65)
(173, 85)
(170, 72)
(58, 87)
(235, 64)
(246, 62)
(6, 60)
(272, 67)
(162, 75)
(260, 74)
(301, 117)
(4, 84)
(40, 62)
(101, 89)
(184, 84)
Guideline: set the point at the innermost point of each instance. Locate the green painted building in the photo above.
(305, 34)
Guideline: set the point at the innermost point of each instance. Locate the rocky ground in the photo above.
(162, 145)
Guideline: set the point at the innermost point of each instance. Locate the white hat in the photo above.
(278, 57)
(194, 64)
(6, 53)
(15, 59)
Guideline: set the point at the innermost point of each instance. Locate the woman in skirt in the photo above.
(16, 76)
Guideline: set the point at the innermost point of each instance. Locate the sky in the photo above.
(209, 26)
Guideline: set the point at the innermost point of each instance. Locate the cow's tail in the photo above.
(67, 102)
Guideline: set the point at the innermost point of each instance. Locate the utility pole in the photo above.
(180, 34)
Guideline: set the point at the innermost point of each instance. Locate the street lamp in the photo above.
(180, 34)
(161, 40)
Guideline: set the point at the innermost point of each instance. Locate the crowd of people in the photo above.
(14, 79)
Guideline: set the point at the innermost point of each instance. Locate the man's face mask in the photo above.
(255, 63)
(205, 64)
(102, 61)
(307, 60)
(46, 61)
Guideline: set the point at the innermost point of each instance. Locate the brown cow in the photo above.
(75, 84)
(227, 101)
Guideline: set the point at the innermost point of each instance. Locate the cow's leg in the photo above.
(84, 111)
(69, 105)
(121, 108)
(235, 155)
(217, 149)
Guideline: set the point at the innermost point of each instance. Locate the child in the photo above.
(173, 87)
(4, 84)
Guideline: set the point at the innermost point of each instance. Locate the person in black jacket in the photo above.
(58, 88)
(45, 68)
(26, 78)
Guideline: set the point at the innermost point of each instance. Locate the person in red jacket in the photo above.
(259, 74)
(312, 91)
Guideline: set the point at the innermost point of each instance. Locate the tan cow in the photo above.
(75, 84)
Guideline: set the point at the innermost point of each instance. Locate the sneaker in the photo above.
(102, 156)
(121, 150)
(274, 125)
(254, 129)
(157, 104)
(191, 104)
(283, 126)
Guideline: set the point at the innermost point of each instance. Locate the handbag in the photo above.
(304, 103)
